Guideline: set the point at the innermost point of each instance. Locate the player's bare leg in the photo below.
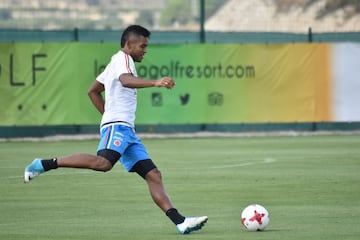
(157, 190)
(183, 224)
(82, 160)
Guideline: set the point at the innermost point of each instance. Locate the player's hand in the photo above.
(165, 82)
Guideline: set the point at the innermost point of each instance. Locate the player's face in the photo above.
(138, 48)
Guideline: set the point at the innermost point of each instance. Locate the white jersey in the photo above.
(120, 102)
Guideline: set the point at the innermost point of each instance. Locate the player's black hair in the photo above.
(133, 30)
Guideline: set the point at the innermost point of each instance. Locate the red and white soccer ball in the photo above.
(255, 217)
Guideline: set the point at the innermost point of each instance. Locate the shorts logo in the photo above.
(117, 143)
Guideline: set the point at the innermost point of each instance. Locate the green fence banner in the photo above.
(47, 83)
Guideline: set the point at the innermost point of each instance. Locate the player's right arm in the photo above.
(95, 96)
(130, 81)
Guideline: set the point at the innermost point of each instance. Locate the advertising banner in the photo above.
(238, 83)
(47, 83)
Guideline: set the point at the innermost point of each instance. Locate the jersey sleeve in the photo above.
(101, 77)
(119, 64)
(126, 65)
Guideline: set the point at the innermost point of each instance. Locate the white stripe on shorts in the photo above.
(110, 137)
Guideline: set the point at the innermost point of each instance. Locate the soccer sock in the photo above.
(175, 216)
(49, 164)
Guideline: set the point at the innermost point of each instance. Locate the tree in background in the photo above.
(186, 12)
(147, 19)
(333, 5)
(352, 6)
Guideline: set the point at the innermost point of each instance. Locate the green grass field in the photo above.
(309, 184)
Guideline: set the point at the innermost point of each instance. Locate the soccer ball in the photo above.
(255, 217)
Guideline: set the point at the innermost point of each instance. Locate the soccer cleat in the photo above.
(33, 170)
(191, 224)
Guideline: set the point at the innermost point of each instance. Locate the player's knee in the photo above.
(103, 164)
(157, 172)
(106, 159)
(154, 175)
(106, 167)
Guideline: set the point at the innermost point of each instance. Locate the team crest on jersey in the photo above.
(117, 143)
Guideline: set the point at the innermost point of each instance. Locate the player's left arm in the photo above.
(95, 96)
(130, 81)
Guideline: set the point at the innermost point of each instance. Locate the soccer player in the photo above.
(119, 141)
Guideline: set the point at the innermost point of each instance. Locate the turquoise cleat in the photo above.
(33, 170)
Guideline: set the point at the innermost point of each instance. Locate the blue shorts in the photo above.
(123, 140)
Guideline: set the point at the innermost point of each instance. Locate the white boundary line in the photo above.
(265, 161)
(202, 134)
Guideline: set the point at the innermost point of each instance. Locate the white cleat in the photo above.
(191, 224)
